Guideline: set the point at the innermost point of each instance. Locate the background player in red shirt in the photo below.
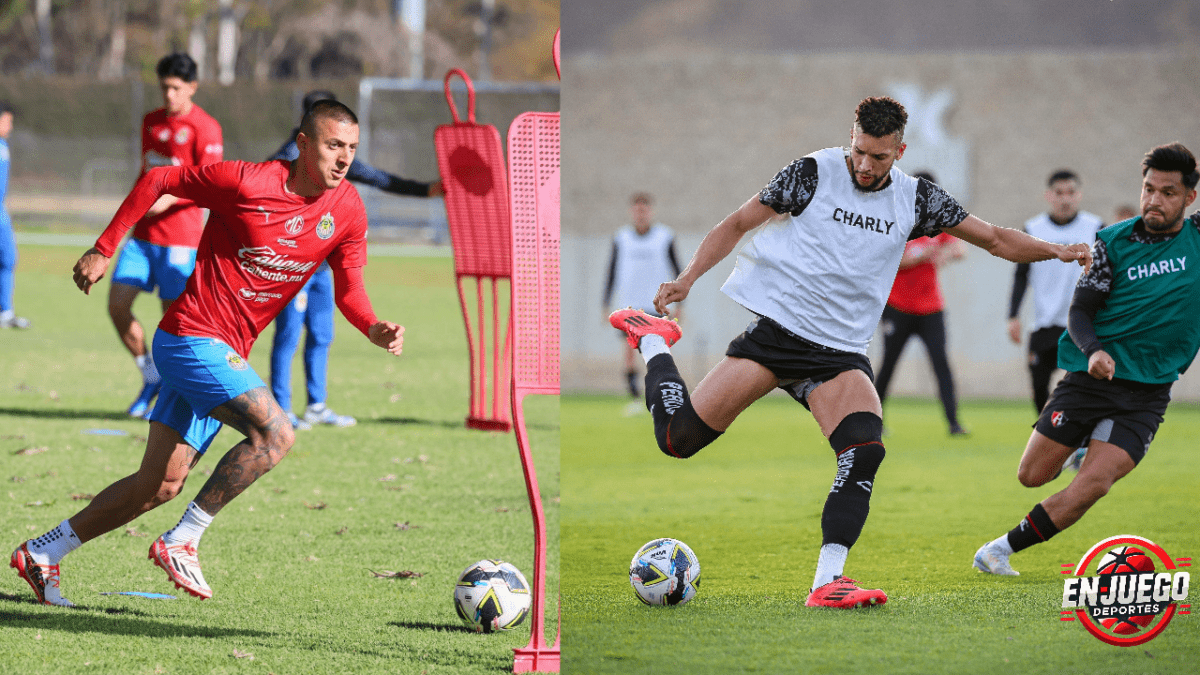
(162, 251)
(272, 225)
(915, 308)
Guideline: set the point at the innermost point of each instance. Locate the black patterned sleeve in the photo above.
(791, 190)
(1100, 277)
(936, 210)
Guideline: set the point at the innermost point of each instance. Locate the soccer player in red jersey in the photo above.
(271, 226)
(162, 251)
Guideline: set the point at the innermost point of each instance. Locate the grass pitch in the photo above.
(291, 560)
(749, 506)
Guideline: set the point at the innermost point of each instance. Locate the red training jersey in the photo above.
(192, 139)
(916, 289)
(261, 245)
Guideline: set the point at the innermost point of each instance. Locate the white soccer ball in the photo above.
(665, 572)
(492, 595)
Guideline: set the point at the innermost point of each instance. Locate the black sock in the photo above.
(859, 454)
(631, 381)
(1033, 529)
(679, 430)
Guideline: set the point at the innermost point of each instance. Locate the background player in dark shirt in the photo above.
(312, 309)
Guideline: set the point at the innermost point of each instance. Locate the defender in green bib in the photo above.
(1131, 332)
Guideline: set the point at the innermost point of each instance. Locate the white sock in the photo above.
(190, 528)
(830, 564)
(316, 407)
(7, 315)
(652, 345)
(1002, 544)
(56, 543)
(149, 370)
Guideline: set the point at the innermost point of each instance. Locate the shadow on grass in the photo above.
(83, 620)
(436, 627)
(67, 414)
(447, 424)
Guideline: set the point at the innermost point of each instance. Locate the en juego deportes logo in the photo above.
(1132, 593)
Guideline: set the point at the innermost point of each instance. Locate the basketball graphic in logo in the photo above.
(1127, 561)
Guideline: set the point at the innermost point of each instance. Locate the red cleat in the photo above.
(842, 593)
(638, 324)
(41, 577)
(182, 566)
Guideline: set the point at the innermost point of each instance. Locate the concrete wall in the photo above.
(705, 131)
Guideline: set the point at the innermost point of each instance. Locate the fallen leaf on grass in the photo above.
(397, 488)
(239, 654)
(49, 474)
(406, 526)
(388, 478)
(132, 532)
(501, 509)
(278, 491)
(53, 395)
(32, 450)
(312, 558)
(138, 439)
(394, 398)
(13, 437)
(84, 497)
(316, 507)
(343, 530)
(41, 503)
(388, 574)
(422, 458)
(17, 479)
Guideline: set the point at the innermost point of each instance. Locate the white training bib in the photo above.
(643, 262)
(825, 274)
(1053, 283)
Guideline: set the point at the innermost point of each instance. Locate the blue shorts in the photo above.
(147, 265)
(198, 375)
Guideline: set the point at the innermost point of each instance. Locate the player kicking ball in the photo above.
(818, 281)
(271, 226)
(1131, 332)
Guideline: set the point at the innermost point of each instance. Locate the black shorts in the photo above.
(1126, 414)
(799, 364)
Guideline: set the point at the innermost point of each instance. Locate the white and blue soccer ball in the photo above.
(665, 572)
(492, 595)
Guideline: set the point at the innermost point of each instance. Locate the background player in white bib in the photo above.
(643, 256)
(818, 281)
(1052, 285)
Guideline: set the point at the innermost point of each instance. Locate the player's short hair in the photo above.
(881, 116)
(1062, 174)
(642, 198)
(177, 64)
(1173, 157)
(5, 107)
(926, 175)
(325, 109)
(318, 95)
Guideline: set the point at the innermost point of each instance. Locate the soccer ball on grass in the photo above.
(665, 572)
(492, 595)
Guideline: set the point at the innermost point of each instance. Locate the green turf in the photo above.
(750, 504)
(292, 582)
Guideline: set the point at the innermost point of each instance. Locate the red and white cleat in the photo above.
(842, 593)
(638, 324)
(182, 566)
(41, 576)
